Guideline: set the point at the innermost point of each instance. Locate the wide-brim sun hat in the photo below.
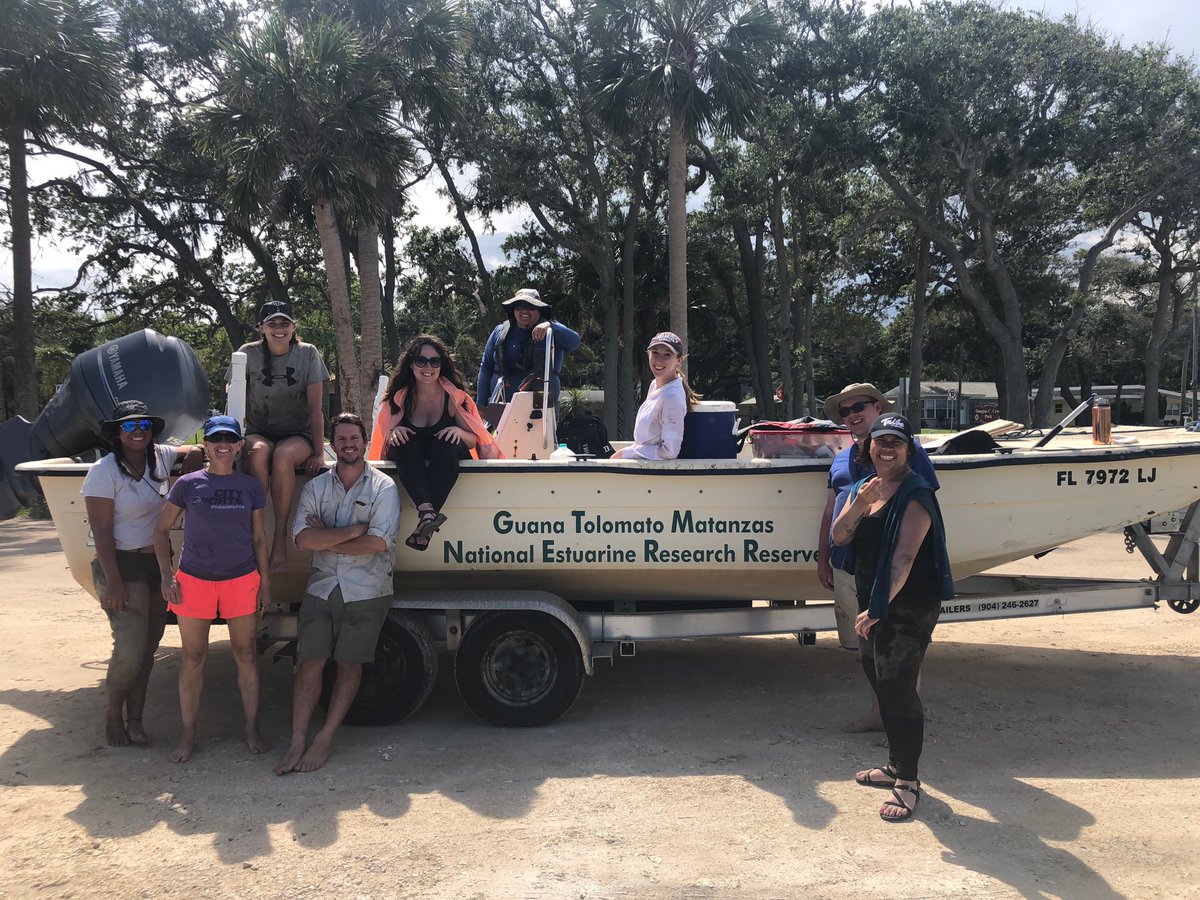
(527, 295)
(861, 389)
(131, 410)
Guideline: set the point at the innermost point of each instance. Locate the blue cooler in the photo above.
(708, 431)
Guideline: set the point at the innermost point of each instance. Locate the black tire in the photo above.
(400, 679)
(518, 668)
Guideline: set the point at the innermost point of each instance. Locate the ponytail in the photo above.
(692, 397)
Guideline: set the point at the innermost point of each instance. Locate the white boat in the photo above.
(601, 532)
(545, 566)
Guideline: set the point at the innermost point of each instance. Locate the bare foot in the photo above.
(184, 751)
(291, 759)
(137, 734)
(255, 742)
(903, 803)
(115, 733)
(869, 722)
(315, 756)
(278, 558)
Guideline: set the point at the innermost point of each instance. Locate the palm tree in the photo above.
(694, 61)
(417, 44)
(57, 74)
(307, 104)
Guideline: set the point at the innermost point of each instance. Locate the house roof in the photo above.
(976, 390)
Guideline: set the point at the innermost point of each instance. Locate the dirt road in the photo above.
(1057, 764)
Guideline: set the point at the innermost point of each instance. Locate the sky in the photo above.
(1145, 21)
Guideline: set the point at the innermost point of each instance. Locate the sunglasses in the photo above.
(524, 307)
(858, 407)
(222, 437)
(133, 425)
(425, 362)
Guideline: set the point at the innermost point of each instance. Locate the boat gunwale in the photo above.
(1015, 457)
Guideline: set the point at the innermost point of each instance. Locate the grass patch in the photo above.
(35, 510)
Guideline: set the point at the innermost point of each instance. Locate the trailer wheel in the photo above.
(400, 679)
(518, 668)
(1185, 606)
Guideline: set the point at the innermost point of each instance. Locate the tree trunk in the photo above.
(371, 315)
(349, 372)
(725, 279)
(677, 228)
(1053, 359)
(388, 302)
(612, 367)
(807, 294)
(806, 340)
(916, 344)
(784, 291)
(24, 341)
(262, 256)
(486, 294)
(760, 356)
(627, 386)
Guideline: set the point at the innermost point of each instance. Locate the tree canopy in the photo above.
(811, 193)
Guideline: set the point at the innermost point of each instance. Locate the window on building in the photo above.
(939, 408)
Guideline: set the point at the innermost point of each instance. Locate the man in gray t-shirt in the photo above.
(348, 517)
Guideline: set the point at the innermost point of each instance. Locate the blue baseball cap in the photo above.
(669, 340)
(217, 424)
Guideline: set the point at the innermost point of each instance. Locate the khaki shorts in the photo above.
(845, 608)
(334, 629)
(138, 628)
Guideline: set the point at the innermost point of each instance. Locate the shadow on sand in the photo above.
(760, 709)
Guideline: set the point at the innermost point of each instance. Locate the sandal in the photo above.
(429, 522)
(889, 777)
(906, 811)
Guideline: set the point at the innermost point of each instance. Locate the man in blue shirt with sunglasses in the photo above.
(856, 406)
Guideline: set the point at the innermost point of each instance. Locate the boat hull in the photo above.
(626, 534)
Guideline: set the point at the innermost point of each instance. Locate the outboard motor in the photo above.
(162, 371)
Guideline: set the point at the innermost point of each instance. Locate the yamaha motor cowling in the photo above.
(164, 372)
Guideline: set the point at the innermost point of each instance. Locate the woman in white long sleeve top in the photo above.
(658, 430)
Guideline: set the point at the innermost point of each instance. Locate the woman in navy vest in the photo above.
(902, 575)
(516, 349)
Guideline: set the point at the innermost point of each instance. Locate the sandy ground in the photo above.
(1056, 765)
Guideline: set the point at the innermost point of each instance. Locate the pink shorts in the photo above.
(202, 599)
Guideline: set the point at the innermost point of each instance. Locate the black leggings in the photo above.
(432, 483)
(891, 656)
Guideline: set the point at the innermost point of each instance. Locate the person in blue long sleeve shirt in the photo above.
(516, 348)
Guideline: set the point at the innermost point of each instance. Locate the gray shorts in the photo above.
(334, 629)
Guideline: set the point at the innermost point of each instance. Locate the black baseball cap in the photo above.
(273, 308)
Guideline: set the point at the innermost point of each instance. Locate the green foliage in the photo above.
(1053, 175)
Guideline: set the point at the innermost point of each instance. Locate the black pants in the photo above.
(891, 656)
(428, 483)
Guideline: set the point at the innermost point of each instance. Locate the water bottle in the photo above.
(563, 452)
(1101, 422)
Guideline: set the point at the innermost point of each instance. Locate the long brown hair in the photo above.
(403, 376)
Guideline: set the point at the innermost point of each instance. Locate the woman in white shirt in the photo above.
(658, 430)
(123, 494)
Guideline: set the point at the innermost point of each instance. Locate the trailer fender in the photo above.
(468, 601)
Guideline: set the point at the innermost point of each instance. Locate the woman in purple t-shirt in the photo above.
(222, 573)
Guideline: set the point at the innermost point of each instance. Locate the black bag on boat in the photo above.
(586, 435)
(968, 442)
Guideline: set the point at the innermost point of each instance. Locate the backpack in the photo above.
(586, 435)
(967, 442)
